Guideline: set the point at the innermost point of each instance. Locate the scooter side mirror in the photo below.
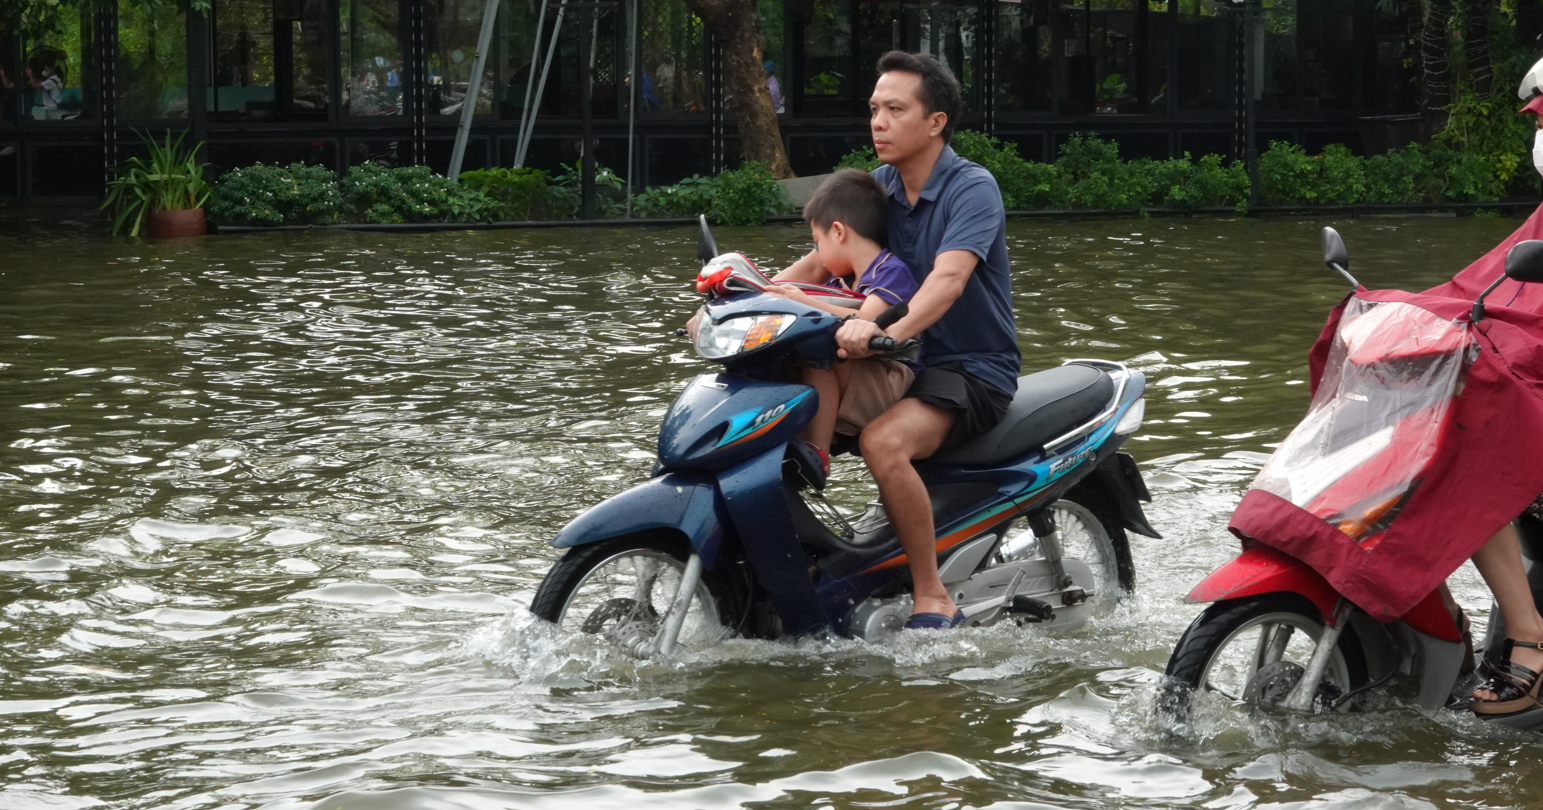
(706, 245)
(1335, 255)
(1524, 261)
(1334, 252)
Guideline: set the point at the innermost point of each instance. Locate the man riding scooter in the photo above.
(947, 223)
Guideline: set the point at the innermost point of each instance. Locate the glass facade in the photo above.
(452, 27)
(373, 75)
(152, 63)
(59, 72)
(344, 81)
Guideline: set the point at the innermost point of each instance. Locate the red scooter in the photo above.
(1278, 634)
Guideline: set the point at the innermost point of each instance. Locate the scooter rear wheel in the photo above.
(1089, 532)
(622, 588)
(1230, 641)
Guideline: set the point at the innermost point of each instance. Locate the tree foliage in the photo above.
(38, 18)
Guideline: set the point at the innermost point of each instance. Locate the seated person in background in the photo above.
(848, 216)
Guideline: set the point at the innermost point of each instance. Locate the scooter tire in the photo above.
(1098, 503)
(571, 569)
(1209, 632)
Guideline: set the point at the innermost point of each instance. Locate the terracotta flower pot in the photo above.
(172, 224)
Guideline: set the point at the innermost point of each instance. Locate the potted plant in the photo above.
(163, 194)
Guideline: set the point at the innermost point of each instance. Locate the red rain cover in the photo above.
(1487, 469)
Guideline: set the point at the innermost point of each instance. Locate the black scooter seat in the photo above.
(1048, 404)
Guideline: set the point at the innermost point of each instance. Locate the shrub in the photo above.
(1090, 174)
(511, 194)
(1341, 176)
(1287, 175)
(1095, 177)
(1206, 183)
(748, 195)
(1458, 176)
(276, 195)
(567, 192)
(688, 198)
(410, 194)
(865, 158)
(1397, 176)
(1024, 184)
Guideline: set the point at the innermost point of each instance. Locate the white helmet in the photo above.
(1532, 83)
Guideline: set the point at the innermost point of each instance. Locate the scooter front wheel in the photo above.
(622, 588)
(1231, 641)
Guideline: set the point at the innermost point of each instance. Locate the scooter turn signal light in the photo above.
(764, 332)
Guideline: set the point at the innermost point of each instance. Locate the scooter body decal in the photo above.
(747, 425)
(974, 527)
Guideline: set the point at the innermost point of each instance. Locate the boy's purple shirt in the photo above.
(890, 279)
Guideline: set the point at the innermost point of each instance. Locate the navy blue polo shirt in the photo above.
(960, 208)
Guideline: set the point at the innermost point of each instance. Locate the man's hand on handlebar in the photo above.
(854, 336)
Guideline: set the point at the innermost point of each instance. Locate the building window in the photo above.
(1204, 38)
(60, 71)
(152, 68)
(673, 51)
(1327, 52)
(1025, 58)
(374, 76)
(1391, 88)
(453, 26)
(771, 18)
(829, 61)
(948, 31)
(603, 31)
(1276, 37)
(12, 84)
(270, 60)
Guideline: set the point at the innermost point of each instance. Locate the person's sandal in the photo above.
(1515, 686)
(935, 621)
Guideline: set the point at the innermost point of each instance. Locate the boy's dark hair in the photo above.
(853, 197)
(939, 90)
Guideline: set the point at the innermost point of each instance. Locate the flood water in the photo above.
(271, 507)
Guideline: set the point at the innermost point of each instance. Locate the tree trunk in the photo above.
(1435, 77)
(1476, 45)
(733, 23)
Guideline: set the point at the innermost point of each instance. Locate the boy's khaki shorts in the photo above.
(874, 385)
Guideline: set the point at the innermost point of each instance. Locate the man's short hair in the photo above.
(939, 90)
(855, 198)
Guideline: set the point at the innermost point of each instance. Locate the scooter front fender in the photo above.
(687, 502)
(1261, 569)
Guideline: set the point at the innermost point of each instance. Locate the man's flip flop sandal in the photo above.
(934, 621)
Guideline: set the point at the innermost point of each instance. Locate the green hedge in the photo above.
(276, 195)
(1088, 174)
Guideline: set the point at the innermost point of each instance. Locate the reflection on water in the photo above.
(272, 505)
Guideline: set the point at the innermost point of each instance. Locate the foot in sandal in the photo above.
(1513, 681)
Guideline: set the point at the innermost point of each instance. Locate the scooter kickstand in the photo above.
(1300, 698)
(670, 633)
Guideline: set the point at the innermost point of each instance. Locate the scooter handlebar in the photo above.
(882, 343)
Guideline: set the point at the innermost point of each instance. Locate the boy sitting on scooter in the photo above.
(848, 218)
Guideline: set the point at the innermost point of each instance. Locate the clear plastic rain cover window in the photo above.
(1383, 404)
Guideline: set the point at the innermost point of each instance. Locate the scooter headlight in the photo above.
(732, 336)
(1131, 421)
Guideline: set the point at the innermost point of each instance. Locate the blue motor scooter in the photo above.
(732, 536)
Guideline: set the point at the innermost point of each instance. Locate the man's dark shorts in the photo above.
(976, 405)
